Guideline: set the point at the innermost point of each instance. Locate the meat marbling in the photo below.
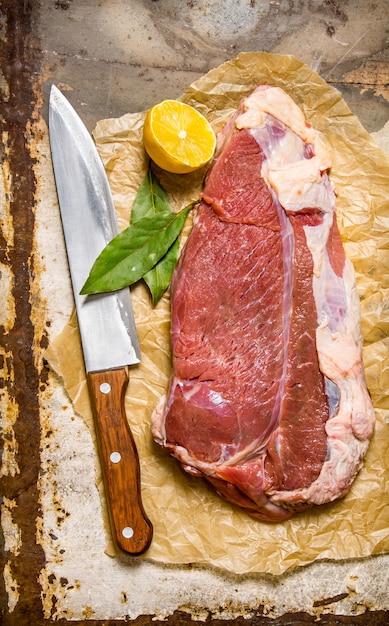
(267, 398)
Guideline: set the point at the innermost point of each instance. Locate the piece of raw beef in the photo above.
(267, 398)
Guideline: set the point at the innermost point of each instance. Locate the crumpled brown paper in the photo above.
(191, 523)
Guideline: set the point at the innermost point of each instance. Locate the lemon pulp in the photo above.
(177, 137)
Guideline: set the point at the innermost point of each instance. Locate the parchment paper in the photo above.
(191, 523)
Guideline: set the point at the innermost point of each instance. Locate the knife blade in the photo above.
(106, 322)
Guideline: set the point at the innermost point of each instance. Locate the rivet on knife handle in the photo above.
(131, 528)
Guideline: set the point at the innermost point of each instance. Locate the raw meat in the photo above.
(267, 399)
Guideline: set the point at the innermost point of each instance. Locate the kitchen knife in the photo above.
(108, 334)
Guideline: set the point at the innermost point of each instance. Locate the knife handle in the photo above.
(131, 528)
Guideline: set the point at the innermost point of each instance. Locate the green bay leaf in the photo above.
(135, 251)
(150, 199)
(158, 278)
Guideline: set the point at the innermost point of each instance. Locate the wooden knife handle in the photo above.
(131, 529)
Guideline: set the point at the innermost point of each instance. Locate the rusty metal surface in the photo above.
(109, 69)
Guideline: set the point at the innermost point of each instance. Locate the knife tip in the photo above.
(56, 95)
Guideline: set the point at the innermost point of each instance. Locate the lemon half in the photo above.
(177, 137)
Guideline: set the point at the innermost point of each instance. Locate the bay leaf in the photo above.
(158, 278)
(134, 251)
(150, 199)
